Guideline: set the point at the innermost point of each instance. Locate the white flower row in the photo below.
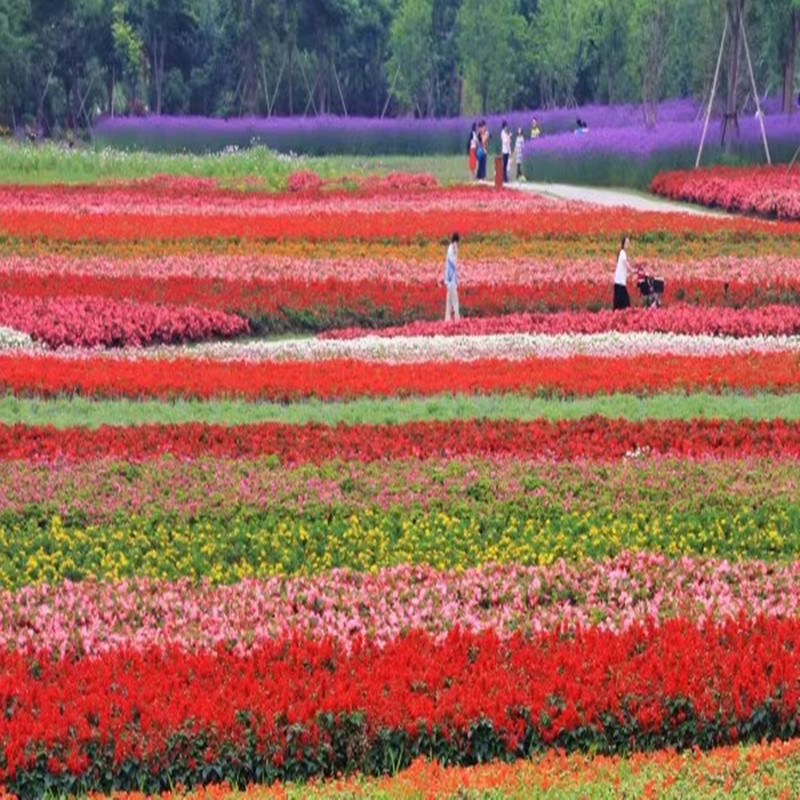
(416, 349)
(11, 339)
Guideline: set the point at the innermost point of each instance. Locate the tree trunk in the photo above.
(112, 80)
(322, 88)
(788, 65)
(159, 46)
(291, 79)
(736, 19)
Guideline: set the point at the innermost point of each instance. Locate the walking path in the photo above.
(611, 198)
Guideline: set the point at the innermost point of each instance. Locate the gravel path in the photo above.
(612, 198)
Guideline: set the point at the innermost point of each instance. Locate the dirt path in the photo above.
(611, 198)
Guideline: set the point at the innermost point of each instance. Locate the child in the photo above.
(518, 143)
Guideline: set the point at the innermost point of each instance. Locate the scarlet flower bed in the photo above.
(299, 709)
(95, 321)
(771, 191)
(366, 226)
(103, 376)
(594, 438)
(763, 321)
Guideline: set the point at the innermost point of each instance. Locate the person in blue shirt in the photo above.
(451, 279)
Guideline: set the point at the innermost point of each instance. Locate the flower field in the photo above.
(767, 191)
(353, 558)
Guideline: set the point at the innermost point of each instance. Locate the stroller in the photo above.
(650, 288)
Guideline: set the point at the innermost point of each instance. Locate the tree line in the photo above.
(64, 62)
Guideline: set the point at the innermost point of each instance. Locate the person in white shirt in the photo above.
(451, 279)
(518, 145)
(621, 297)
(505, 141)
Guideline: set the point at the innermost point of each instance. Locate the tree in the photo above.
(487, 52)
(556, 41)
(653, 27)
(613, 38)
(128, 56)
(15, 43)
(164, 24)
(447, 82)
(362, 54)
(411, 63)
(785, 18)
(735, 10)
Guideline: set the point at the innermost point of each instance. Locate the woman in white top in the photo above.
(621, 297)
(505, 149)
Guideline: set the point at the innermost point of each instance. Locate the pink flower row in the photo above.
(103, 322)
(690, 320)
(613, 595)
(92, 200)
(409, 269)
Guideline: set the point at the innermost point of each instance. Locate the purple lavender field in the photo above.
(354, 135)
(616, 149)
(631, 155)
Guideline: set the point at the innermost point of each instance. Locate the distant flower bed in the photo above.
(767, 191)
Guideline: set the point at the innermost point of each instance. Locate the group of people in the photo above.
(510, 148)
(621, 298)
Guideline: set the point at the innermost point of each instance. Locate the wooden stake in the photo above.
(794, 158)
(391, 92)
(310, 91)
(339, 87)
(713, 93)
(277, 85)
(759, 114)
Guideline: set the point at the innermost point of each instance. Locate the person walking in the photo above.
(505, 149)
(621, 297)
(451, 279)
(472, 151)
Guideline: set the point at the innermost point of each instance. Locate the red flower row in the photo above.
(80, 321)
(769, 191)
(334, 379)
(593, 438)
(403, 225)
(320, 304)
(690, 320)
(293, 702)
(365, 185)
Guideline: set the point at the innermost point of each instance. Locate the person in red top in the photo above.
(472, 150)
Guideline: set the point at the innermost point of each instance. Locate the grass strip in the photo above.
(249, 168)
(77, 411)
